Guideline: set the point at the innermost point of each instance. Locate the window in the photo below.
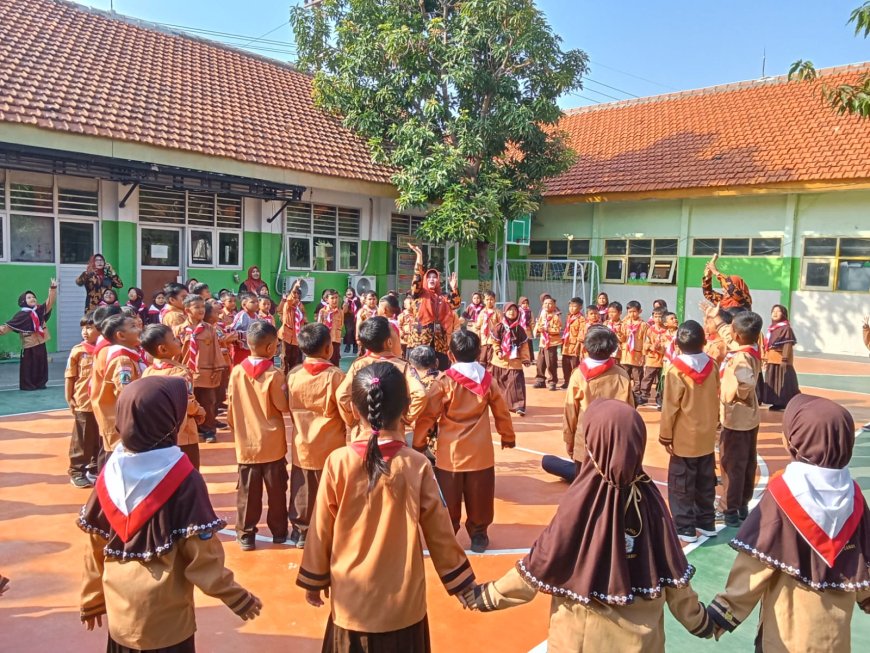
(556, 250)
(31, 238)
(76, 242)
(212, 223)
(736, 246)
(160, 247)
(836, 264)
(405, 225)
(321, 237)
(633, 260)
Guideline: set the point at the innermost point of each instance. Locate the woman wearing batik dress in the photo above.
(96, 278)
(31, 324)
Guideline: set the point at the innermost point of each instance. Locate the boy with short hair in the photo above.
(388, 307)
(614, 323)
(229, 306)
(318, 429)
(264, 312)
(330, 315)
(738, 439)
(164, 347)
(634, 332)
(292, 320)
(653, 359)
(84, 446)
(202, 290)
(201, 353)
(487, 319)
(123, 365)
(548, 328)
(597, 377)
(460, 403)
(173, 315)
(257, 401)
(425, 363)
(571, 339)
(690, 419)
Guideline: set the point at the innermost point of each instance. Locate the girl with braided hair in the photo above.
(376, 496)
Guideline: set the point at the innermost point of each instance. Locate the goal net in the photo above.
(561, 279)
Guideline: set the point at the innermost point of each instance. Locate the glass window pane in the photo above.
(705, 246)
(613, 269)
(160, 205)
(229, 245)
(435, 257)
(665, 247)
(399, 224)
(325, 221)
(348, 255)
(766, 246)
(854, 246)
(32, 238)
(299, 253)
(558, 248)
(229, 212)
(324, 254)
(556, 271)
(201, 247)
(76, 242)
(538, 248)
(536, 270)
(735, 247)
(298, 219)
(73, 201)
(579, 247)
(853, 275)
(818, 274)
(638, 268)
(820, 246)
(640, 247)
(348, 223)
(160, 248)
(614, 247)
(200, 209)
(32, 198)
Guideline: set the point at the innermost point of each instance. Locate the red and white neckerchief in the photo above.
(824, 505)
(602, 313)
(545, 331)
(255, 367)
(696, 366)
(119, 350)
(134, 486)
(488, 314)
(632, 328)
(315, 367)
(191, 333)
(507, 338)
(327, 316)
(299, 318)
(473, 311)
(90, 349)
(471, 376)
(266, 318)
(613, 326)
(572, 317)
(162, 365)
(752, 350)
(525, 317)
(389, 447)
(591, 368)
(38, 327)
(395, 324)
(771, 329)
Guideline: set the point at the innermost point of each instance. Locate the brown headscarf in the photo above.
(819, 432)
(735, 292)
(612, 538)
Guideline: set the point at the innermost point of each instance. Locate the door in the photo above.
(77, 243)
(160, 253)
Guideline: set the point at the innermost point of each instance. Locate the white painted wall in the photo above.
(829, 322)
(738, 216)
(645, 294)
(762, 303)
(652, 219)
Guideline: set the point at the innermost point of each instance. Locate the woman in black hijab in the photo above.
(610, 558)
(150, 510)
(804, 551)
(30, 323)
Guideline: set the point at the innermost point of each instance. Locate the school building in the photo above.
(178, 157)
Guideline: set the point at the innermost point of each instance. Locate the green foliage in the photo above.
(459, 97)
(847, 98)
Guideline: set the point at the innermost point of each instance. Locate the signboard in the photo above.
(405, 260)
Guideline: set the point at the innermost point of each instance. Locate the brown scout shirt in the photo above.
(188, 433)
(633, 356)
(654, 347)
(255, 411)
(365, 546)
(571, 340)
(337, 322)
(738, 400)
(210, 360)
(553, 325)
(318, 429)
(79, 367)
(122, 368)
(690, 412)
(287, 332)
(612, 384)
(174, 318)
(464, 433)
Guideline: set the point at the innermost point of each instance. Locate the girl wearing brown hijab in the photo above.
(152, 531)
(610, 558)
(31, 324)
(804, 552)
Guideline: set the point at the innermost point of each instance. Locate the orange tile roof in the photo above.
(751, 133)
(68, 68)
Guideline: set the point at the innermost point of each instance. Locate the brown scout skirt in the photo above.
(413, 639)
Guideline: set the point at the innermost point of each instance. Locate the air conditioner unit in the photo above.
(362, 284)
(306, 287)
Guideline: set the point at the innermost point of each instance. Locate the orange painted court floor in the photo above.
(41, 548)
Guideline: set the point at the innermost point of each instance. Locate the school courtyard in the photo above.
(41, 548)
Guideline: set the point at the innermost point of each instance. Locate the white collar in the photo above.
(591, 363)
(131, 477)
(473, 371)
(696, 361)
(826, 495)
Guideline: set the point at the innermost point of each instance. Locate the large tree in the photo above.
(457, 96)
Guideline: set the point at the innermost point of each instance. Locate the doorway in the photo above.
(78, 241)
(160, 253)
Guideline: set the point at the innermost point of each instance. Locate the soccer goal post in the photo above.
(560, 278)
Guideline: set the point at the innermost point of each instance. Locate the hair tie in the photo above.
(376, 431)
(376, 380)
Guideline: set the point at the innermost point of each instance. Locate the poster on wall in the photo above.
(159, 251)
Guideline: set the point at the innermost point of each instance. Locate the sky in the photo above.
(636, 48)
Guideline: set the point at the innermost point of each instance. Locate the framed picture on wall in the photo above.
(662, 270)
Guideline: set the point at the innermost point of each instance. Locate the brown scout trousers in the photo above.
(85, 445)
(207, 398)
(569, 364)
(303, 492)
(737, 451)
(292, 357)
(249, 497)
(548, 362)
(478, 491)
(692, 491)
(651, 375)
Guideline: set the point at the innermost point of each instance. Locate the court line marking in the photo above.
(851, 392)
(37, 412)
(49, 385)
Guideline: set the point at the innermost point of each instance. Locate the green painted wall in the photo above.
(17, 278)
(119, 247)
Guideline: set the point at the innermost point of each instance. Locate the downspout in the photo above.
(280, 257)
(371, 223)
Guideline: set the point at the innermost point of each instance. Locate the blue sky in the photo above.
(672, 45)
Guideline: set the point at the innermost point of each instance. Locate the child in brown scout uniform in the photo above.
(592, 320)
(690, 417)
(548, 328)
(364, 541)
(804, 551)
(653, 359)
(174, 315)
(572, 342)
(124, 365)
(597, 377)
(614, 323)
(201, 354)
(610, 558)
(460, 402)
(715, 347)
(508, 341)
(738, 409)
(257, 400)
(388, 307)
(318, 429)
(368, 309)
(165, 351)
(292, 321)
(634, 337)
(84, 446)
(225, 338)
(153, 532)
(330, 315)
(487, 319)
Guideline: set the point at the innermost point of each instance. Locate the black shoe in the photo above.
(743, 512)
(687, 535)
(479, 543)
(521, 413)
(552, 387)
(281, 539)
(300, 543)
(776, 409)
(294, 536)
(659, 407)
(80, 482)
(564, 386)
(732, 520)
(247, 541)
(208, 437)
(539, 385)
(221, 425)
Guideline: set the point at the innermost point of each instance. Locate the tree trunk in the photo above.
(483, 271)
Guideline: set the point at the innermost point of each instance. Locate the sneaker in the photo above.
(564, 386)
(80, 482)
(247, 541)
(743, 512)
(300, 543)
(866, 427)
(280, 539)
(479, 543)
(521, 413)
(732, 520)
(221, 425)
(208, 437)
(294, 536)
(659, 407)
(687, 535)
(707, 530)
(552, 387)
(92, 477)
(539, 385)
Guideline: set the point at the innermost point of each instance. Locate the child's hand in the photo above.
(709, 310)
(669, 447)
(254, 610)
(570, 449)
(96, 619)
(527, 363)
(313, 597)
(466, 597)
(508, 445)
(72, 406)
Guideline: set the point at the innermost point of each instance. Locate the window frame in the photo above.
(627, 256)
(750, 250)
(831, 277)
(658, 260)
(833, 260)
(336, 237)
(605, 260)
